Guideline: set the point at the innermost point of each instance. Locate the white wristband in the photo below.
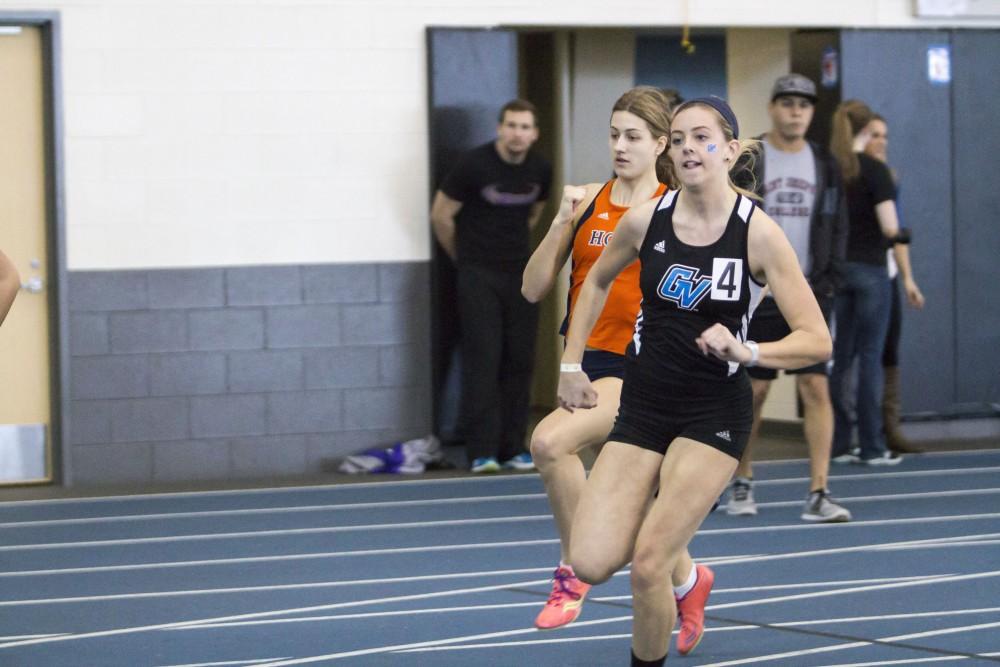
(754, 353)
(570, 368)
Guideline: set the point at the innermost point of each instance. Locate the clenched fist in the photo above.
(720, 342)
(572, 196)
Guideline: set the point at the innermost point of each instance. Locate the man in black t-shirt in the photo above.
(482, 216)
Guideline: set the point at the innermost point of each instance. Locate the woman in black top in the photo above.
(863, 299)
(686, 405)
(901, 278)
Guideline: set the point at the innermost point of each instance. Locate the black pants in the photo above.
(498, 354)
(890, 356)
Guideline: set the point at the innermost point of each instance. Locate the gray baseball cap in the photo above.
(794, 84)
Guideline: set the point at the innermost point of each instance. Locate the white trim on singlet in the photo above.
(756, 295)
(667, 199)
(744, 208)
(637, 336)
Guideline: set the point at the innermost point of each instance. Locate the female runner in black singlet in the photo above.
(686, 405)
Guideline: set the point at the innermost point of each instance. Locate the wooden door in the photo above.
(25, 384)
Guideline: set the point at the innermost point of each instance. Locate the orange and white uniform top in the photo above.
(616, 324)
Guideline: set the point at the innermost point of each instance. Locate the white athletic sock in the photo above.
(567, 566)
(685, 588)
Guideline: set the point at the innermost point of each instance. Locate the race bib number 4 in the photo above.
(727, 278)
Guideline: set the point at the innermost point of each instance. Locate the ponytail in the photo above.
(850, 117)
(665, 171)
(746, 159)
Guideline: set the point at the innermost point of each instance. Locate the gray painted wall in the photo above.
(268, 371)
(977, 199)
(920, 149)
(943, 143)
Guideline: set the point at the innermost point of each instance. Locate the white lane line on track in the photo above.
(435, 642)
(285, 557)
(441, 501)
(522, 543)
(250, 661)
(516, 605)
(279, 587)
(849, 645)
(255, 534)
(341, 605)
(277, 490)
(727, 628)
(489, 545)
(966, 540)
(459, 640)
(289, 509)
(401, 503)
(347, 486)
(394, 580)
(14, 638)
(264, 614)
(535, 642)
(911, 661)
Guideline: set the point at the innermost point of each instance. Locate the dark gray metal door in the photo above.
(888, 70)
(471, 73)
(976, 91)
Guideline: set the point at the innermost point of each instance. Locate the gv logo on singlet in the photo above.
(684, 286)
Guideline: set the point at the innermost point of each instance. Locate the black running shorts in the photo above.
(768, 326)
(652, 415)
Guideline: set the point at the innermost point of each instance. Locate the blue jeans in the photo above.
(862, 311)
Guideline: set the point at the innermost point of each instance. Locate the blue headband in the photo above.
(719, 105)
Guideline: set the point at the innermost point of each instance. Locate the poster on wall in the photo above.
(939, 64)
(829, 68)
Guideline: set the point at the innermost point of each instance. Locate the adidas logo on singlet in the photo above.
(724, 435)
(660, 247)
(604, 216)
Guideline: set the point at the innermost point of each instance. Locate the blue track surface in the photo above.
(452, 572)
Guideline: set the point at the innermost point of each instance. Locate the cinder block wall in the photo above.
(186, 374)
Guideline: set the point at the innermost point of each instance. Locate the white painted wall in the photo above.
(224, 132)
(603, 69)
(754, 59)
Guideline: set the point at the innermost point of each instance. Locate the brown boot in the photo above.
(894, 438)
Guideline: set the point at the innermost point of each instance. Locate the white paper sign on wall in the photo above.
(939, 64)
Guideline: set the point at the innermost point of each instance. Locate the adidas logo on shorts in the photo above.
(660, 247)
(724, 435)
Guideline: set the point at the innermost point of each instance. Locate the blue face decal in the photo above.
(712, 148)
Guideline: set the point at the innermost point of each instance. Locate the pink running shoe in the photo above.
(565, 602)
(691, 611)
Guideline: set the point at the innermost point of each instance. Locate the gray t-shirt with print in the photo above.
(790, 194)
